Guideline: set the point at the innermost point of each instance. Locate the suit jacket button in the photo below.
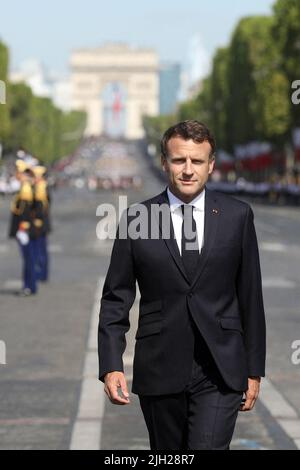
(191, 294)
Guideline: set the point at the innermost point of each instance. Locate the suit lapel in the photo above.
(211, 222)
(171, 241)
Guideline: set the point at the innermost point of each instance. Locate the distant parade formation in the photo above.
(30, 222)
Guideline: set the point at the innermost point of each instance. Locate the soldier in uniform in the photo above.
(41, 222)
(21, 226)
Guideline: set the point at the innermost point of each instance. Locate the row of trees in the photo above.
(34, 123)
(247, 96)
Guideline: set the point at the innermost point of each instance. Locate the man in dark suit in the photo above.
(200, 343)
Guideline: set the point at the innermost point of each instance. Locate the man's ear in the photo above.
(212, 165)
(163, 162)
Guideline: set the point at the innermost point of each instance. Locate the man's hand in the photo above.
(251, 394)
(114, 381)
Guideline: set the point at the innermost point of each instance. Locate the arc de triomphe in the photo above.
(116, 85)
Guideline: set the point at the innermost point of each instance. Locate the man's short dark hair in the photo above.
(191, 129)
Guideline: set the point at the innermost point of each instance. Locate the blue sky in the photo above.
(49, 30)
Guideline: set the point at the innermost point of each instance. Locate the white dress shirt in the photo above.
(177, 216)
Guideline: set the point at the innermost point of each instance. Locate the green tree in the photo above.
(155, 126)
(199, 107)
(258, 102)
(4, 112)
(241, 86)
(286, 31)
(286, 35)
(72, 129)
(40, 127)
(43, 130)
(19, 103)
(219, 98)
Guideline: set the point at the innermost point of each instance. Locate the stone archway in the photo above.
(131, 72)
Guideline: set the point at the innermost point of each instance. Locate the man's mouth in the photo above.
(188, 181)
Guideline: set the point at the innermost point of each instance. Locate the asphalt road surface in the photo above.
(50, 396)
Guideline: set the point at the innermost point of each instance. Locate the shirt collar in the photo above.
(175, 202)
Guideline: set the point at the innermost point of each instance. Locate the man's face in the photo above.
(24, 177)
(188, 167)
(21, 176)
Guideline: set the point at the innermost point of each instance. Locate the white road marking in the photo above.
(291, 427)
(102, 247)
(55, 248)
(275, 402)
(86, 433)
(87, 428)
(247, 444)
(286, 416)
(297, 442)
(4, 249)
(266, 227)
(286, 212)
(34, 421)
(278, 282)
(12, 284)
(273, 246)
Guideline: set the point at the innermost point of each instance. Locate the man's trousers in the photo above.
(203, 416)
(42, 259)
(29, 274)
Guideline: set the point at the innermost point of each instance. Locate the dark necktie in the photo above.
(189, 241)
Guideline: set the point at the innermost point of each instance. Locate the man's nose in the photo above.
(188, 167)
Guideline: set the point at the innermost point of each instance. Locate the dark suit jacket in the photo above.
(21, 211)
(224, 299)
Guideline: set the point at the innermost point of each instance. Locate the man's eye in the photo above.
(182, 161)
